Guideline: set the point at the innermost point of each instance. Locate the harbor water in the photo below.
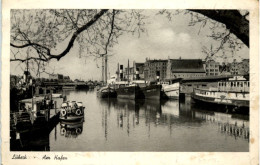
(146, 125)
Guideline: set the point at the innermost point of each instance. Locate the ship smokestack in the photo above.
(121, 73)
(137, 74)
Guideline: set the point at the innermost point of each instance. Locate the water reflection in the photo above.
(234, 127)
(171, 107)
(170, 113)
(71, 129)
(146, 125)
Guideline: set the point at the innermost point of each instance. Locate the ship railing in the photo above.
(219, 90)
(236, 86)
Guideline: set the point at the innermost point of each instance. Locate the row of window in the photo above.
(212, 74)
(234, 84)
(156, 64)
(186, 75)
(215, 94)
(212, 70)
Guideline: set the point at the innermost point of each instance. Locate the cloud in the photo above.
(162, 36)
(167, 38)
(184, 37)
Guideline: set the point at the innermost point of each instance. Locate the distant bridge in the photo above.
(64, 84)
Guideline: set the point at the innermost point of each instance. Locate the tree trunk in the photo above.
(234, 21)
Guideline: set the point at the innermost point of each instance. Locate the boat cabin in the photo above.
(236, 84)
(120, 84)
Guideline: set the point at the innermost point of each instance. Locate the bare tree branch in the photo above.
(234, 21)
(28, 59)
(71, 42)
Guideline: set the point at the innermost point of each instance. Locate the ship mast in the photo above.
(105, 69)
(134, 70)
(102, 78)
(118, 74)
(128, 72)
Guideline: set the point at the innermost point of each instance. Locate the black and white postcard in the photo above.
(171, 82)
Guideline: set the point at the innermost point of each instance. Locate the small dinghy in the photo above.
(72, 111)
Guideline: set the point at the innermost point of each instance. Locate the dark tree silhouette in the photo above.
(237, 23)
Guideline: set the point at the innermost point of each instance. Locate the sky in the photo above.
(164, 39)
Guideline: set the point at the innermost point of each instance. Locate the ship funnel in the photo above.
(121, 73)
(137, 74)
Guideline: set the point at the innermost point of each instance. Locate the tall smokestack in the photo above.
(128, 72)
(137, 74)
(134, 70)
(118, 78)
(121, 73)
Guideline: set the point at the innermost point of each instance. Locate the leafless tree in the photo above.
(43, 32)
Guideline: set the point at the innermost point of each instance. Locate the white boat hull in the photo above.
(172, 91)
(239, 99)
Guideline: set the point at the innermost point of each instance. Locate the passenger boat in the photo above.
(171, 89)
(234, 92)
(106, 92)
(72, 111)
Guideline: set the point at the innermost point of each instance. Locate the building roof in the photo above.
(215, 77)
(66, 77)
(139, 64)
(187, 65)
(155, 60)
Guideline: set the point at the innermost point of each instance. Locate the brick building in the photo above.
(234, 67)
(153, 66)
(212, 68)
